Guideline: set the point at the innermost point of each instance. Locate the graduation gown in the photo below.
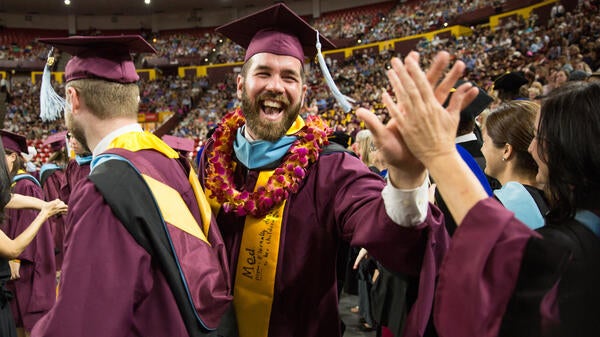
(111, 285)
(52, 183)
(500, 278)
(35, 291)
(74, 172)
(339, 199)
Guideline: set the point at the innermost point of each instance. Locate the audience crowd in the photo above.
(548, 55)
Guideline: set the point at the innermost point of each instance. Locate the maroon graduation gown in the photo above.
(339, 199)
(110, 285)
(35, 291)
(73, 173)
(52, 190)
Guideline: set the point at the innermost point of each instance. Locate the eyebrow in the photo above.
(284, 71)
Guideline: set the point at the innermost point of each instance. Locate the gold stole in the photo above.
(256, 269)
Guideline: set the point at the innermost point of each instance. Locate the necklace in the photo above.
(285, 179)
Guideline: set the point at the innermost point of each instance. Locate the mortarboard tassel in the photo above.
(342, 100)
(51, 104)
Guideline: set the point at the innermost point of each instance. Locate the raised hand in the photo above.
(427, 128)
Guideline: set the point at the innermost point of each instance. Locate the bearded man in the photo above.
(285, 201)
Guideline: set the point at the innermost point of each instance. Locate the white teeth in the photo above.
(272, 104)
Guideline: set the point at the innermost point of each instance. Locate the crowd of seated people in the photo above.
(546, 56)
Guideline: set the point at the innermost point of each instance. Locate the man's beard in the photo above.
(265, 129)
(76, 131)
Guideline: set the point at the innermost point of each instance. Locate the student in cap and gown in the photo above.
(143, 255)
(77, 169)
(509, 86)
(35, 287)
(284, 203)
(52, 178)
(12, 248)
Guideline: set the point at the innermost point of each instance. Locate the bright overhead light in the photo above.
(147, 2)
(67, 2)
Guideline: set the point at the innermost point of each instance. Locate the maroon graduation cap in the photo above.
(276, 30)
(57, 140)
(103, 57)
(183, 145)
(14, 142)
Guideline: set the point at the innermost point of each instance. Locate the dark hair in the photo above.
(567, 142)
(513, 123)
(19, 163)
(5, 182)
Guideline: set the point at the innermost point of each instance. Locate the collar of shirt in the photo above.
(105, 142)
(465, 138)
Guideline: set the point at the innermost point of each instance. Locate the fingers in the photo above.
(443, 89)
(371, 121)
(463, 96)
(438, 67)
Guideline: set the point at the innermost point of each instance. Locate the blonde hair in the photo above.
(108, 99)
(364, 139)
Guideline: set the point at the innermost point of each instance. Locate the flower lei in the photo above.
(284, 180)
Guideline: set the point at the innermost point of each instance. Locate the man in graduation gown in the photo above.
(34, 272)
(285, 203)
(143, 256)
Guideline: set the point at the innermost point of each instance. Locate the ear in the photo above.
(304, 88)
(74, 99)
(508, 151)
(240, 86)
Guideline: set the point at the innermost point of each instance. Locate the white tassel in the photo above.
(51, 104)
(342, 100)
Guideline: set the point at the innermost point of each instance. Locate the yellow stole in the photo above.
(172, 206)
(257, 263)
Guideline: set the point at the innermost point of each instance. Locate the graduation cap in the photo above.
(510, 81)
(14, 142)
(278, 30)
(56, 141)
(476, 107)
(102, 57)
(182, 145)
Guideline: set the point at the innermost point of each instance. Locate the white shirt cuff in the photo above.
(407, 208)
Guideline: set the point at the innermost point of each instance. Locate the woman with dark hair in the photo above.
(12, 248)
(34, 271)
(499, 277)
(507, 133)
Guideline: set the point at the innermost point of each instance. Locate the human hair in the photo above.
(60, 157)
(108, 99)
(248, 64)
(567, 133)
(5, 182)
(364, 139)
(513, 123)
(19, 163)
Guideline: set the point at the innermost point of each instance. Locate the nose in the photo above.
(275, 84)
